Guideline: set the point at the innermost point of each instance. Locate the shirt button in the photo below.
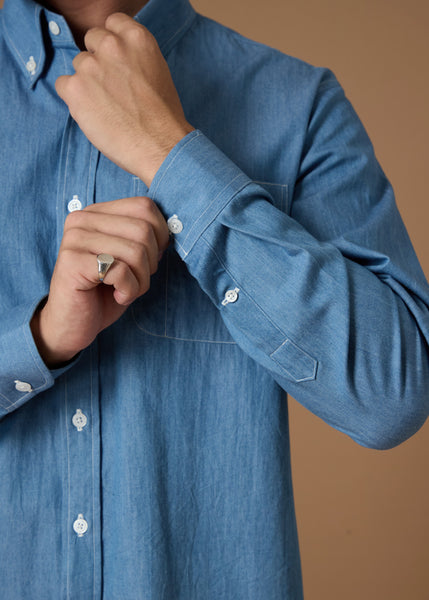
(31, 65)
(54, 28)
(74, 204)
(80, 526)
(174, 224)
(22, 386)
(230, 296)
(79, 420)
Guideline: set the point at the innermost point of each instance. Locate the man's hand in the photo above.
(135, 233)
(123, 97)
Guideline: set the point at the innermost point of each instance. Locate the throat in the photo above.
(82, 15)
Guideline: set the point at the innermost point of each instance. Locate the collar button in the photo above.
(31, 65)
(54, 28)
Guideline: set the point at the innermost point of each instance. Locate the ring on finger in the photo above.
(105, 261)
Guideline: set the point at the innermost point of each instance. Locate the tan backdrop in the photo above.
(363, 515)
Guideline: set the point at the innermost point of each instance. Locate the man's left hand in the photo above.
(123, 97)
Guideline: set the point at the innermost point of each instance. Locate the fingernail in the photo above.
(121, 298)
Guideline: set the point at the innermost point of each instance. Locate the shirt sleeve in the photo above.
(330, 298)
(23, 373)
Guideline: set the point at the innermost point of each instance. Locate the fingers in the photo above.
(80, 268)
(119, 22)
(93, 37)
(117, 26)
(129, 274)
(140, 208)
(132, 230)
(140, 255)
(127, 287)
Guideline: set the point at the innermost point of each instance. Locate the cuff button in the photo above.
(230, 296)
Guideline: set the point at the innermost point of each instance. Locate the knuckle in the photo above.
(134, 248)
(136, 254)
(68, 221)
(121, 271)
(110, 44)
(73, 219)
(146, 205)
(137, 35)
(65, 256)
(145, 232)
(87, 63)
(72, 237)
(112, 19)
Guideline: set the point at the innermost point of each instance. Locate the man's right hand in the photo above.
(78, 307)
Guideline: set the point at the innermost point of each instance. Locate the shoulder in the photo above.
(223, 47)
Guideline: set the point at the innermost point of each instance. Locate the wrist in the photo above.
(52, 356)
(148, 167)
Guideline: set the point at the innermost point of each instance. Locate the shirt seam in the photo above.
(221, 209)
(176, 37)
(200, 216)
(247, 294)
(180, 339)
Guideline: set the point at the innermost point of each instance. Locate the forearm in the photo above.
(332, 321)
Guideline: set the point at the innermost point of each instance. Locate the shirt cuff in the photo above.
(193, 185)
(23, 372)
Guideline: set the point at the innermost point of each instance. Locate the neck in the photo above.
(81, 15)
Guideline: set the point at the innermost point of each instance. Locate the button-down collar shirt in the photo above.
(156, 465)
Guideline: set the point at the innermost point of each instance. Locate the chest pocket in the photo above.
(176, 307)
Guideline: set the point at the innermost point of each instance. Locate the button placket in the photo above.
(78, 162)
(74, 204)
(79, 420)
(80, 525)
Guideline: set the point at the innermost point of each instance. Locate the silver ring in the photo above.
(105, 261)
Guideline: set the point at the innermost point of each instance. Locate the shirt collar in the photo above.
(26, 30)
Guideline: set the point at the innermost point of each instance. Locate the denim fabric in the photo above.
(156, 466)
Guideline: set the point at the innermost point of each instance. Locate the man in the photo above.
(144, 435)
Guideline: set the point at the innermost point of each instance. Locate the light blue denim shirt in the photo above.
(156, 466)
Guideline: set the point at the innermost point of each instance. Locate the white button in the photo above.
(22, 386)
(54, 28)
(74, 204)
(80, 526)
(174, 224)
(79, 420)
(31, 65)
(230, 296)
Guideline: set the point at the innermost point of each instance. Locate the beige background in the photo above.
(363, 515)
